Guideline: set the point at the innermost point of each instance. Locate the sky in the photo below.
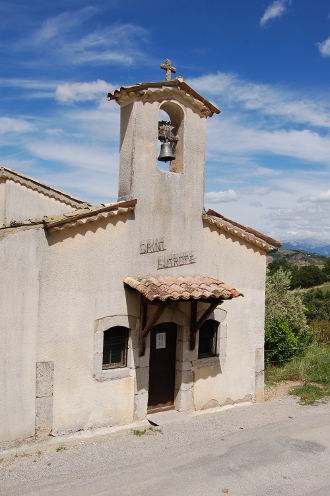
(265, 63)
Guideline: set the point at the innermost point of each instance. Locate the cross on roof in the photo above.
(167, 66)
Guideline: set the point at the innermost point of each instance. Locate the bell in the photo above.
(166, 152)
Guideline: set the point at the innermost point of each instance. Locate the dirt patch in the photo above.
(279, 389)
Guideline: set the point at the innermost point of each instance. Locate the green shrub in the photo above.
(280, 341)
(313, 367)
(281, 303)
(317, 304)
(321, 331)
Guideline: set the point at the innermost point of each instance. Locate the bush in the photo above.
(307, 276)
(317, 304)
(280, 341)
(281, 303)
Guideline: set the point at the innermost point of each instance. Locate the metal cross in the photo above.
(167, 66)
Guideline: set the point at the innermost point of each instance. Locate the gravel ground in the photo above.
(274, 448)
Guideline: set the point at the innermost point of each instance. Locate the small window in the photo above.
(115, 347)
(208, 334)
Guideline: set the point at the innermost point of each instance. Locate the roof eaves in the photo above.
(234, 229)
(174, 83)
(45, 189)
(83, 216)
(181, 288)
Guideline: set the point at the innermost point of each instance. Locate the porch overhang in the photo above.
(163, 290)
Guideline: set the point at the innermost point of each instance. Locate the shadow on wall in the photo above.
(81, 229)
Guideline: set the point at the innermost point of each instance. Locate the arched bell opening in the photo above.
(170, 137)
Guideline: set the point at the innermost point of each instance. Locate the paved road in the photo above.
(256, 450)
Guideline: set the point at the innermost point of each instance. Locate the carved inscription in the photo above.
(176, 259)
(152, 246)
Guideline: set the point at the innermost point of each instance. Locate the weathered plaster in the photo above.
(21, 258)
(21, 203)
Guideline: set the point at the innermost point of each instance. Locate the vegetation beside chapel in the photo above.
(297, 326)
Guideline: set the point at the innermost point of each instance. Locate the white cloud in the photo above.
(76, 92)
(82, 156)
(60, 37)
(228, 140)
(324, 47)
(322, 197)
(274, 10)
(57, 26)
(11, 125)
(269, 100)
(257, 190)
(221, 196)
(28, 84)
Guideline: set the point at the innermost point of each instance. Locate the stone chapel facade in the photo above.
(111, 311)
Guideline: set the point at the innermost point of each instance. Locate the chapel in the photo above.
(110, 312)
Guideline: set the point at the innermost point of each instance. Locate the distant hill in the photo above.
(297, 257)
(308, 246)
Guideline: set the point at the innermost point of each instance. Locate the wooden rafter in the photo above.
(147, 325)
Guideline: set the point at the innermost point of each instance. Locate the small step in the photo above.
(166, 417)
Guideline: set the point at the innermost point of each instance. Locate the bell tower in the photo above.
(146, 139)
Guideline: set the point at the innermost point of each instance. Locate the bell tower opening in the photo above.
(170, 137)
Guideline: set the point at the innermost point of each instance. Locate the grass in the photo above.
(313, 370)
(313, 367)
(310, 394)
(60, 448)
(22, 455)
(150, 430)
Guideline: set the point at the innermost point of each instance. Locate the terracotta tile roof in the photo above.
(76, 217)
(164, 288)
(28, 182)
(89, 214)
(206, 107)
(247, 233)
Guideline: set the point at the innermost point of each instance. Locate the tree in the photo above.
(286, 329)
(326, 268)
(281, 303)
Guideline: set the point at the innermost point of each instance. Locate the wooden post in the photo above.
(193, 317)
(143, 321)
(194, 327)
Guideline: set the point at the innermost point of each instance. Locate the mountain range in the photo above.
(308, 246)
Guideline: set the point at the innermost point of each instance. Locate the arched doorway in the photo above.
(162, 367)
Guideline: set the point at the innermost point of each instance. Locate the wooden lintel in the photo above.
(195, 326)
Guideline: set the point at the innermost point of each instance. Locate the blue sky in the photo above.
(265, 63)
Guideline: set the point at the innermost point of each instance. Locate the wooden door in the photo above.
(162, 367)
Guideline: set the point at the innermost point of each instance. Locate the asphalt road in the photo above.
(276, 448)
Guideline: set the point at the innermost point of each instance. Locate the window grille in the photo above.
(115, 347)
(208, 336)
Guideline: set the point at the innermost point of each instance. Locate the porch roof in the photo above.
(184, 288)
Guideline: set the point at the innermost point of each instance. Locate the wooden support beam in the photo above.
(193, 318)
(146, 326)
(194, 327)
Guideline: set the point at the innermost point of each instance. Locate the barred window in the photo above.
(208, 335)
(115, 347)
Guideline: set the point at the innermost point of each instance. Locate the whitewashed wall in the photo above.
(17, 202)
(20, 262)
